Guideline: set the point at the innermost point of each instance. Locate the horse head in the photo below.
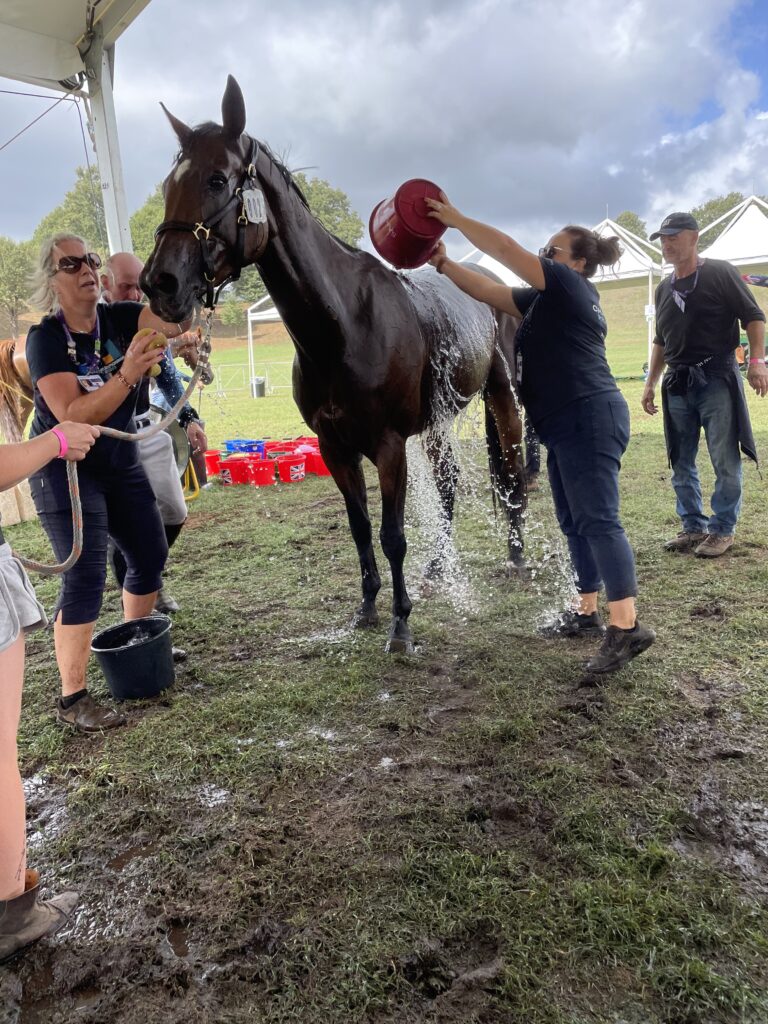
(216, 221)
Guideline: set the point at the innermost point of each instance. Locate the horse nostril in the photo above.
(165, 284)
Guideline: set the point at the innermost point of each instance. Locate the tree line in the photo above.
(82, 213)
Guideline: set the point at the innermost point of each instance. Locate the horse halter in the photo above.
(202, 231)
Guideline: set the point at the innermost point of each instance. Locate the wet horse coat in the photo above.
(380, 355)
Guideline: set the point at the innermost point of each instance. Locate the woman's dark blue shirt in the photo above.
(560, 343)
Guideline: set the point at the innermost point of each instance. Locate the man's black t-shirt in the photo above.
(709, 324)
(560, 342)
(47, 353)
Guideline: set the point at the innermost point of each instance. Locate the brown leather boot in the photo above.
(26, 919)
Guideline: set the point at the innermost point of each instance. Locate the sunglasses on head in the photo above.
(548, 251)
(72, 264)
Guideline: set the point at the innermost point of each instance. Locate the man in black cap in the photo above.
(698, 309)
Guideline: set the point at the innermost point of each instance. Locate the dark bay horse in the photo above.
(380, 355)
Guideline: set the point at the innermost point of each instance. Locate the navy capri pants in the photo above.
(116, 502)
(585, 443)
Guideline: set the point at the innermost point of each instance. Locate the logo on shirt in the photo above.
(600, 317)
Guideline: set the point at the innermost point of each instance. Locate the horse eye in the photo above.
(217, 182)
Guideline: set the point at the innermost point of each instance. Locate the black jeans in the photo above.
(585, 443)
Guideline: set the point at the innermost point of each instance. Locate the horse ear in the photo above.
(233, 109)
(183, 131)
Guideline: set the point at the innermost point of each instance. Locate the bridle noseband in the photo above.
(202, 231)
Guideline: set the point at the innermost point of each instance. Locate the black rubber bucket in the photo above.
(136, 657)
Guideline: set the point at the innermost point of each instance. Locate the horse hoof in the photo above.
(399, 645)
(518, 571)
(366, 620)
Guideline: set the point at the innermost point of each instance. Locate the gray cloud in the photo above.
(529, 114)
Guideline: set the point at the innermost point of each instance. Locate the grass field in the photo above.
(307, 829)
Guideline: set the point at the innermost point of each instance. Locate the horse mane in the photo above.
(211, 128)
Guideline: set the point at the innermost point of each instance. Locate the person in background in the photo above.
(120, 283)
(24, 917)
(698, 309)
(86, 362)
(574, 406)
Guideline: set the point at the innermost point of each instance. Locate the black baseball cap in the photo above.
(675, 223)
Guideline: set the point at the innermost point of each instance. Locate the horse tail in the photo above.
(10, 407)
(495, 455)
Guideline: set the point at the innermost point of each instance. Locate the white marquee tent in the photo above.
(744, 239)
(69, 46)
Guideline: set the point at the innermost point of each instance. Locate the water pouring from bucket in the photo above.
(401, 230)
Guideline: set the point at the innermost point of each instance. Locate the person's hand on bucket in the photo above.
(442, 210)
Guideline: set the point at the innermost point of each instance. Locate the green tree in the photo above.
(710, 211)
(15, 268)
(144, 221)
(81, 212)
(331, 207)
(231, 310)
(632, 222)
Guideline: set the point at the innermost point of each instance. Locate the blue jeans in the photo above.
(585, 443)
(712, 408)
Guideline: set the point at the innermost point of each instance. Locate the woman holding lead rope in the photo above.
(86, 361)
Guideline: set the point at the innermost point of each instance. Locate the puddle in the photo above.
(131, 854)
(47, 815)
(212, 796)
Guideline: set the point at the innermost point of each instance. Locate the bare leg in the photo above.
(73, 649)
(393, 477)
(351, 482)
(13, 855)
(136, 606)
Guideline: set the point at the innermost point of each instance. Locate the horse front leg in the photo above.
(351, 482)
(504, 430)
(393, 478)
(446, 472)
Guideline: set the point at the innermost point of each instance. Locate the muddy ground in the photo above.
(307, 829)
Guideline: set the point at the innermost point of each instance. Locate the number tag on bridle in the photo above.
(254, 205)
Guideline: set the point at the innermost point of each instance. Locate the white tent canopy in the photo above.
(482, 260)
(61, 45)
(638, 259)
(744, 239)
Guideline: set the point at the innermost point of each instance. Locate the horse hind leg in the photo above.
(351, 482)
(446, 473)
(393, 478)
(504, 433)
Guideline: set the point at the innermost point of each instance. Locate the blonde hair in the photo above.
(43, 293)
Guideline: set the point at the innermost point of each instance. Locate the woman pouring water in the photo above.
(575, 407)
(86, 361)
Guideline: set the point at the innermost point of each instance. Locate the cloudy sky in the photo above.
(529, 113)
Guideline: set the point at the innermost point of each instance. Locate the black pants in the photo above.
(117, 503)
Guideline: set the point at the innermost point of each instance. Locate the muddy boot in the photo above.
(165, 604)
(26, 919)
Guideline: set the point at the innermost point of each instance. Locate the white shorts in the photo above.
(156, 454)
(19, 608)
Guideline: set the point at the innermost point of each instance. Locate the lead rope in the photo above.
(203, 353)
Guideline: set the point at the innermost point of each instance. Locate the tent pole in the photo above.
(99, 64)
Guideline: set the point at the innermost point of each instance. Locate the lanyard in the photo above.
(681, 296)
(72, 347)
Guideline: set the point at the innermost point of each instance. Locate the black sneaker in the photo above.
(572, 624)
(619, 647)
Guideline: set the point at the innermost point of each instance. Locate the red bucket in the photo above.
(291, 468)
(316, 464)
(262, 472)
(236, 470)
(401, 231)
(212, 460)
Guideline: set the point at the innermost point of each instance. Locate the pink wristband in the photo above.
(757, 359)
(63, 446)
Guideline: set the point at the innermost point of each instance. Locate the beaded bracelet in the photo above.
(124, 380)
